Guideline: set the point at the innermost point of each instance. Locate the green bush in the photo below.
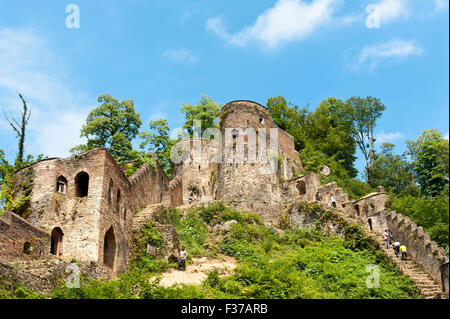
(193, 234)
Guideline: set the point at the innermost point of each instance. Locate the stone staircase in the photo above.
(141, 218)
(426, 285)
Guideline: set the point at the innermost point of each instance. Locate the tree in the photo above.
(365, 113)
(113, 125)
(329, 129)
(159, 142)
(289, 118)
(431, 158)
(206, 111)
(19, 128)
(391, 170)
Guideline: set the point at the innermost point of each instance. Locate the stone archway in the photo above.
(357, 210)
(301, 187)
(109, 248)
(82, 184)
(56, 241)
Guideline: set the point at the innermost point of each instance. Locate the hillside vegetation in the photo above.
(298, 264)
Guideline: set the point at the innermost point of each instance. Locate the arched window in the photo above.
(118, 201)
(370, 224)
(61, 184)
(109, 248)
(235, 133)
(27, 248)
(81, 184)
(56, 242)
(110, 191)
(301, 187)
(261, 119)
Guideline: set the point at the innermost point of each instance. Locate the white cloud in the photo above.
(395, 49)
(28, 66)
(446, 137)
(441, 5)
(286, 21)
(391, 10)
(383, 137)
(181, 55)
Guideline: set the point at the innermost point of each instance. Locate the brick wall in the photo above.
(16, 234)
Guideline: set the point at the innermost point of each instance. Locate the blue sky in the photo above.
(165, 53)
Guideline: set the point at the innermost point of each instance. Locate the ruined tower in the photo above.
(257, 157)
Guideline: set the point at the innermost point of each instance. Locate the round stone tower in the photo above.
(252, 169)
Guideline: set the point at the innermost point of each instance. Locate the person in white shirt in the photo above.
(182, 259)
(333, 201)
(397, 248)
(386, 239)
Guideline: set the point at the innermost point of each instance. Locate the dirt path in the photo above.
(198, 270)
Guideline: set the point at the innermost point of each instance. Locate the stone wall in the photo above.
(148, 186)
(371, 204)
(45, 275)
(87, 204)
(425, 251)
(196, 170)
(303, 188)
(77, 217)
(20, 239)
(176, 191)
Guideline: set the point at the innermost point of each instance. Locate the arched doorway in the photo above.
(109, 248)
(27, 248)
(82, 184)
(56, 241)
(357, 210)
(301, 187)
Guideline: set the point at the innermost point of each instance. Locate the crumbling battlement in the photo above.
(425, 251)
(148, 186)
(176, 191)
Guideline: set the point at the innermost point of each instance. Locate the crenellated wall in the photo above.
(425, 251)
(176, 191)
(148, 186)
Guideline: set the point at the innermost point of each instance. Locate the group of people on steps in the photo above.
(387, 235)
(398, 248)
(328, 199)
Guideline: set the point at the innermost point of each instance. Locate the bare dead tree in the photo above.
(19, 127)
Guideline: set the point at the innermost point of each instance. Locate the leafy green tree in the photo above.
(329, 130)
(431, 157)
(113, 125)
(365, 112)
(290, 118)
(391, 170)
(206, 111)
(159, 142)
